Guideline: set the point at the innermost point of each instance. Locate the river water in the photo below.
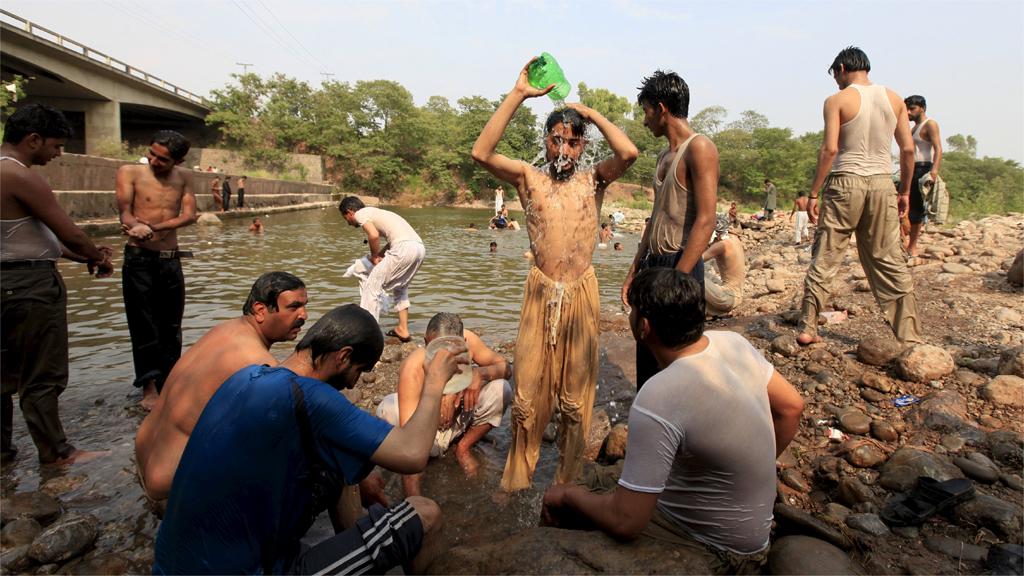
(459, 275)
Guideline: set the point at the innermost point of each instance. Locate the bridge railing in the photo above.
(98, 57)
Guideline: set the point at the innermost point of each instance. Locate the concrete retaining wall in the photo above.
(98, 205)
(233, 163)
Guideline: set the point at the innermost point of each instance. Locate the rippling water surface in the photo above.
(459, 274)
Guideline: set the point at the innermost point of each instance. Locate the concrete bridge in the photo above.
(106, 100)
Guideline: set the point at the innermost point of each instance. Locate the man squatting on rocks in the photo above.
(725, 294)
(860, 122)
(274, 312)
(36, 233)
(927, 158)
(465, 416)
(395, 269)
(556, 351)
(155, 199)
(685, 194)
(704, 434)
(275, 446)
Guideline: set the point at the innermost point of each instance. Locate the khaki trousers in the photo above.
(865, 205)
(555, 357)
(718, 300)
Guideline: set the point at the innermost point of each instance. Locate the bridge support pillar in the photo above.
(102, 126)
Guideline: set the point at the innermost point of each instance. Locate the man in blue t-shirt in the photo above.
(275, 446)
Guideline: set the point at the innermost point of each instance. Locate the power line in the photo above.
(266, 30)
(285, 28)
(159, 28)
(162, 23)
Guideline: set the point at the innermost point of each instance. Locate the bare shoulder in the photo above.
(702, 145)
(129, 171)
(412, 366)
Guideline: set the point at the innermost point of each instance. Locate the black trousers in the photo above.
(154, 302)
(227, 200)
(241, 197)
(34, 358)
(646, 363)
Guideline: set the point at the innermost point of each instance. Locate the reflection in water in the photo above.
(459, 275)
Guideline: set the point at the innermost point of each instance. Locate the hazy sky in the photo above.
(965, 58)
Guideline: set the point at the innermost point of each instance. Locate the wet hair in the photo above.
(648, 219)
(668, 88)
(721, 224)
(347, 325)
(565, 116)
(851, 59)
(673, 304)
(604, 225)
(915, 100)
(801, 194)
(616, 246)
(255, 220)
(175, 143)
(351, 203)
(471, 225)
(242, 177)
(444, 324)
(40, 119)
(494, 244)
(267, 288)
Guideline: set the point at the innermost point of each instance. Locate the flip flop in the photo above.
(394, 334)
(927, 498)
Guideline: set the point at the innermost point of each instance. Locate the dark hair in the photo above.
(852, 59)
(567, 116)
(604, 224)
(351, 203)
(40, 119)
(176, 144)
(801, 194)
(471, 225)
(672, 302)
(347, 325)
(648, 219)
(242, 177)
(444, 324)
(255, 220)
(494, 244)
(915, 100)
(227, 177)
(767, 181)
(268, 287)
(666, 87)
(617, 244)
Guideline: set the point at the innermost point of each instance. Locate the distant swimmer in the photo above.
(618, 246)
(256, 227)
(604, 236)
(472, 228)
(561, 305)
(494, 246)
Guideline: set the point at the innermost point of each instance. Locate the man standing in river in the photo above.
(556, 350)
(155, 200)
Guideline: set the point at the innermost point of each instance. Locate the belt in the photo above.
(147, 253)
(28, 265)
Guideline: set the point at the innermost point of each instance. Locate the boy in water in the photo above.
(556, 352)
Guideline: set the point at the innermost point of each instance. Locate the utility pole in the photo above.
(326, 74)
(245, 67)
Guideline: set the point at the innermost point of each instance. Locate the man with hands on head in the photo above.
(465, 416)
(556, 352)
(155, 200)
(704, 433)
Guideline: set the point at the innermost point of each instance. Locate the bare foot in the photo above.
(501, 498)
(79, 457)
(469, 464)
(804, 339)
(149, 396)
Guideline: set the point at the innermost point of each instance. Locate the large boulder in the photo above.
(556, 551)
(902, 469)
(989, 512)
(1011, 362)
(41, 507)
(1005, 391)
(938, 410)
(877, 351)
(20, 532)
(1016, 273)
(924, 363)
(806, 555)
(208, 219)
(66, 539)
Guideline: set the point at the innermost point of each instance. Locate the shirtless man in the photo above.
(800, 209)
(36, 233)
(256, 227)
(155, 200)
(724, 295)
(556, 352)
(215, 188)
(605, 236)
(927, 158)
(465, 416)
(274, 312)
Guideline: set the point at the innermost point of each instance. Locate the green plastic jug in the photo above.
(545, 71)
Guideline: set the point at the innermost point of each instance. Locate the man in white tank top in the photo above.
(927, 157)
(857, 196)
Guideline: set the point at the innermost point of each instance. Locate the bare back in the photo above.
(224, 350)
(155, 199)
(561, 217)
(800, 204)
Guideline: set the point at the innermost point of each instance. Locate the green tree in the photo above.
(709, 121)
(966, 145)
(613, 107)
(10, 93)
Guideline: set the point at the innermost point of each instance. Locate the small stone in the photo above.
(353, 395)
(785, 514)
(979, 458)
(976, 471)
(36, 505)
(786, 460)
(1012, 481)
(877, 351)
(613, 448)
(862, 286)
(48, 569)
(775, 285)
(17, 559)
(207, 219)
(837, 513)
(884, 431)
(104, 564)
(785, 346)
(768, 307)
(955, 548)
(1011, 362)
(855, 422)
(990, 422)
(1007, 454)
(875, 381)
(368, 377)
(1005, 391)
(793, 478)
(19, 532)
(866, 456)
(902, 469)
(820, 355)
(939, 410)
(952, 442)
(907, 532)
(551, 432)
(872, 395)
(923, 363)
(806, 555)
(869, 524)
(64, 540)
(952, 268)
(62, 485)
(1006, 315)
(851, 491)
(989, 512)
(968, 378)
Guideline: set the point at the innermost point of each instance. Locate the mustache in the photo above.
(298, 323)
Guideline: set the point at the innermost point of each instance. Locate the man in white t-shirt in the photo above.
(704, 434)
(394, 269)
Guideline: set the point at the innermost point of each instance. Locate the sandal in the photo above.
(925, 499)
(394, 334)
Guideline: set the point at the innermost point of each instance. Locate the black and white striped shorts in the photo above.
(385, 538)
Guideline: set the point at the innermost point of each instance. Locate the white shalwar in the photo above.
(394, 273)
(801, 226)
(360, 270)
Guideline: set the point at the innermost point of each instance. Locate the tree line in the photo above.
(377, 141)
